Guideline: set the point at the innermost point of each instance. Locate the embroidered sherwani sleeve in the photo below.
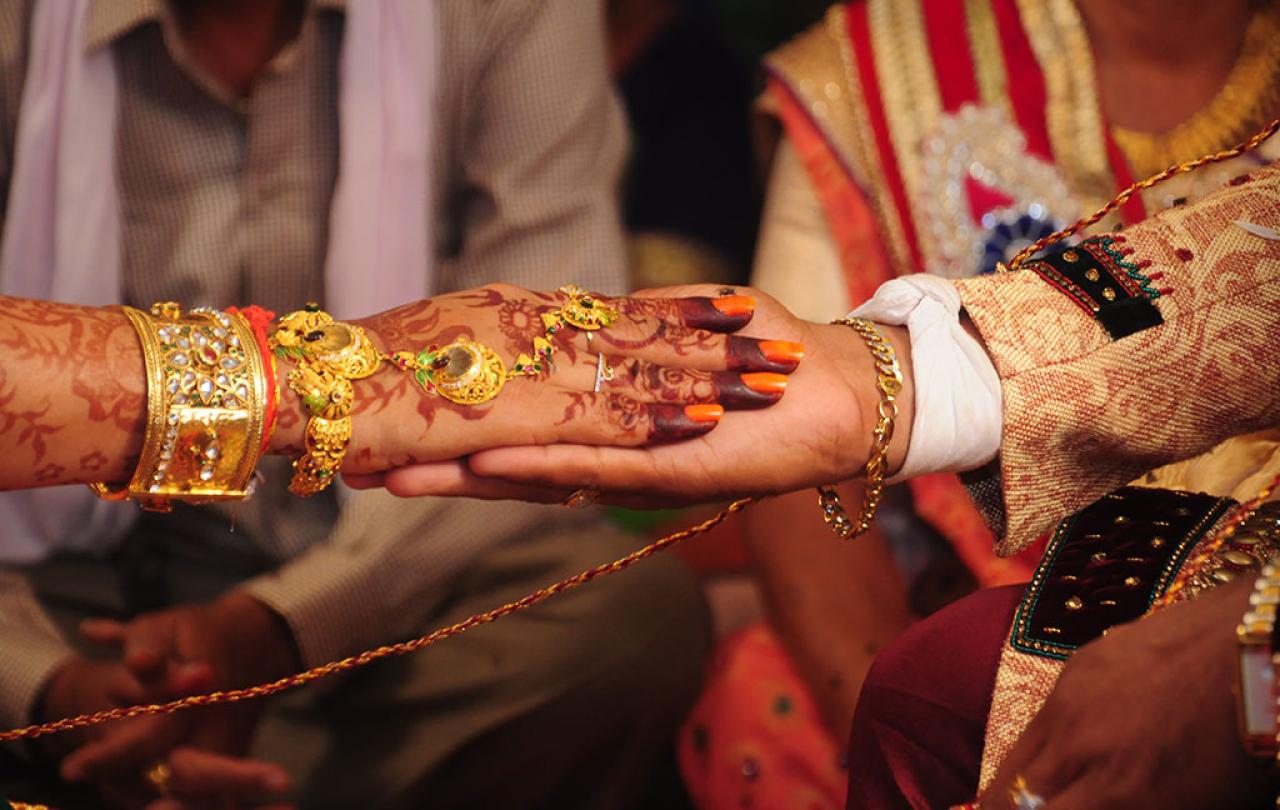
(1085, 413)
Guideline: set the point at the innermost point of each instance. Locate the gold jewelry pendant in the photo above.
(464, 371)
(314, 337)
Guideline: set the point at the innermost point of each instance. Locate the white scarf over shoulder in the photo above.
(62, 230)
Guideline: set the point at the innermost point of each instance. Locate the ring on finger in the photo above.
(1021, 797)
(582, 498)
(159, 775)
(584, 311)
(604, 373)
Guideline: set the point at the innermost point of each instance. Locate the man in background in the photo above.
(227, 129)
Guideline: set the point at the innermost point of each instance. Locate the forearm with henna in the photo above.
(72, 394)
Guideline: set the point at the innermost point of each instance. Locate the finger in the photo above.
(647, 382)
(1033, 761)
(613, 419)
(197, 773)
(102, 632)
(445, 480)
(614, 470)
(360, 481)
(125, 750)
(448, 478)
(666, 344)
(716, 314)
(148, 645)
(188, 678)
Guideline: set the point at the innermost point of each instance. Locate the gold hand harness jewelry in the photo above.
(330, 354)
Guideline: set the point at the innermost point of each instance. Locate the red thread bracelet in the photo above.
(259, 321)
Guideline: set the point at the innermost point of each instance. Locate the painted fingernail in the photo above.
(749, 354)
(670, 423)
(782, 351)
(766, 382)
(709, 412)
(735, 305)
(744, 392)
(717, 314)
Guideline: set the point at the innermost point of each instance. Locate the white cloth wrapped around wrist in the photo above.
(959, 413)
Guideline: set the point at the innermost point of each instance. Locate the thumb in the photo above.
(103, 632)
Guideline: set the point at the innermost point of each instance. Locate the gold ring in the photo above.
(1021, 797)
(159, 776)
(582, 498)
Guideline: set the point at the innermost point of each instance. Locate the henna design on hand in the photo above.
(665, 422)
(92, 462)
(520, 321)
(82, 355)
(29, 423)
(726, 314)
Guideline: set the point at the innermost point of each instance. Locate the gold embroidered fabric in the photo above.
(1221, 307)
(1073, 112)
(819, 67)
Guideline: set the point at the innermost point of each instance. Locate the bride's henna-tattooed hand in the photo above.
(671, 366)
(73, 398)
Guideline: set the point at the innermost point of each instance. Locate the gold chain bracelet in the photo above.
(889, 384)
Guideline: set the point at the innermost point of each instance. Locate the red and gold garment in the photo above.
(942, 136)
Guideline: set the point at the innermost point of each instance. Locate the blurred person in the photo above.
(280, 152)
(690, 198)
(943, 137)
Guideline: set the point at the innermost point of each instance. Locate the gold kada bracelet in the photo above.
(889, 384)
(206, 407)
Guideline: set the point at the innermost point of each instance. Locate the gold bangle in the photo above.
(329, 355)
(889, 384)
(206, 405)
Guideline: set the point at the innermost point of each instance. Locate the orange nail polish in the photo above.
(782, 351)
(735, 305)
(704, 413)
(765, 382)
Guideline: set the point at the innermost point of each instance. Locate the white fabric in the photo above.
(959, 413)
(62, 235)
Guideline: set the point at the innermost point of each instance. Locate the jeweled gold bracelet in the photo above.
(889, 384)
(206, 399)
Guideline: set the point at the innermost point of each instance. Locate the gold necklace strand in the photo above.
(405, 647)
(386, 651)
(1245, 101)
(1123, 197)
